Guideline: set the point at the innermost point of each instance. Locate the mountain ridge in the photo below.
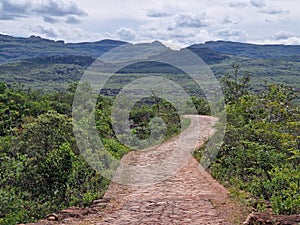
(17, 48)
(251, 50)
(21, 59)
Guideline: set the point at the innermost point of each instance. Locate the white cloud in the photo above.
(45, 31)
(292, 41)
(289, 41)
(126, 34)
(231, 34)
(196, 21)
(283, 35)
(68, 34)
(180, 22)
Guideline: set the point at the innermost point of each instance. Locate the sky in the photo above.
(173, 22)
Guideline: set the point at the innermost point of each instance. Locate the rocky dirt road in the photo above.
(189, 195)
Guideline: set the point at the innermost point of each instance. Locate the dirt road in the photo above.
(186, 195)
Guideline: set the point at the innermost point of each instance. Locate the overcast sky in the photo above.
(175, 22)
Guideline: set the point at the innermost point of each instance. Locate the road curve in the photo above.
(189, 195)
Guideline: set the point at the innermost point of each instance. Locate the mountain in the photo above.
(250, 50)
(16, 48)
(46, 64)
(208, 55)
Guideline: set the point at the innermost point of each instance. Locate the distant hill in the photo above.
(250, 50)
(15, 48)
(46, 64)
(46, 73)
(207, 54)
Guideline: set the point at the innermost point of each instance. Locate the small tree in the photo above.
(235, 85)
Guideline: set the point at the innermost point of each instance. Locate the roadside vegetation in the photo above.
(41, 168)
(261, 151)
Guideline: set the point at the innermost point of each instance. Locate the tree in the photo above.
(235, 85)
(48, 132)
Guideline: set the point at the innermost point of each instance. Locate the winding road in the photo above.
(165, 185)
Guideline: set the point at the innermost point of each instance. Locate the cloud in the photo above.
(67, 34)
(230, 20)
(156, 14)
(58, 8)
(72, 20)
(44, 31)
(125, 34)
(10, 10)
(238, 4)
(187, 20)
(283, 35)
(231, 34)
(15, 9)
(258, 3)
(292, 41)
(49, 19)
(137, 21)
(274, 11)
(289, 41)
(268, 20)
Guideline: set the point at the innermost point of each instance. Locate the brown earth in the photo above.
(268, 219)
(156, 186)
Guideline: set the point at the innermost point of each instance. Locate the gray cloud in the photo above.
(72, 20)
(59, 8)
(283, 35)
(156, 14)
(49, 19)
(238, 4)
(231, 34)
(274, 11)
(186, 20)
(10, 16)
(14, 7)
(126, 34)
(230, 20)
(226, 20)
(258, 3)
(44, 31)
(268, 20)
(12, 10)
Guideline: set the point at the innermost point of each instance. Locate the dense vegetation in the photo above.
(261, 149)
(41, 169)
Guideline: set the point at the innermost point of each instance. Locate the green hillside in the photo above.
(13, 48)
(46, 64)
